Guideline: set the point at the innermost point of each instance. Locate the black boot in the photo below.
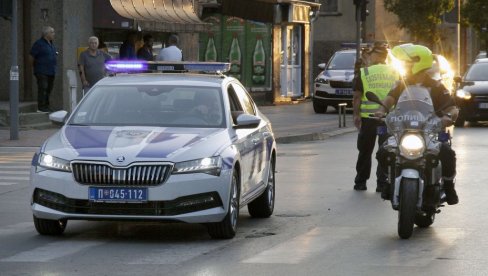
(451, 195)
(385, 191)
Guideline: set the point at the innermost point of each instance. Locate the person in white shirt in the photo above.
(172, 52)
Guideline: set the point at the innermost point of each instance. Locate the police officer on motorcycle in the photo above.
(418, 59)
(377, 78)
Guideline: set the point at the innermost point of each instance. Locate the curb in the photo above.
(313, 136)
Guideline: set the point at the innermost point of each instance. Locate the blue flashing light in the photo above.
(126, 65)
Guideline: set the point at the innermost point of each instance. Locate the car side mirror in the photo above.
(457, 79)
(247, 121)
(321, 66)
(58, 117)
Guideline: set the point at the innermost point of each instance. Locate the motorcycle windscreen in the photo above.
(413, 109)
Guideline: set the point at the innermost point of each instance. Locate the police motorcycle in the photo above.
(412, 157)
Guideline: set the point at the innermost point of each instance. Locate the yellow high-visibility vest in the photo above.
(378, 79)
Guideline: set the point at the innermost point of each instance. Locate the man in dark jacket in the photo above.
(43, 56)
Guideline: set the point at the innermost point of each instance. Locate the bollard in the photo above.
(341, 108)
(73, 88)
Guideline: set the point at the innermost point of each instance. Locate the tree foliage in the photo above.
(474, 13)
(420, 17)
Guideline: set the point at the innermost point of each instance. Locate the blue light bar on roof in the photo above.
(126, 65)
(161, 66)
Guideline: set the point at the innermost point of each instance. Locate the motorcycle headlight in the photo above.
(463, 94)
(211, 165)
(412, 146)
(53, 163)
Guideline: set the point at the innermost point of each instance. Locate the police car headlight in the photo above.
(324, 81)
(53, 163)
(211, 165)
(463, 94)
(412, 146)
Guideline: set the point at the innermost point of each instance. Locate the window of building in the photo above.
(329, 7)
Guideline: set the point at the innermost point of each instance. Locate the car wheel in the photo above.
(226, 229)
(50, 227)
(263, 206)
(319, 107)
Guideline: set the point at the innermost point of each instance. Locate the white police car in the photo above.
(180, 146)
(334, 84)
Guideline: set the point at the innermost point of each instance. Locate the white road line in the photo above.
(51, 251)
(8, 183)
(15, 178)
(304, 246)
(10, 167)
(19, 172)
(16, 228)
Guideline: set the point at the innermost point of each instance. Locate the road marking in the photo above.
(10, 167)
(3, 172)
(8, 183)
(51, 251)
(15, 177)
(304, 246)
(16, 228)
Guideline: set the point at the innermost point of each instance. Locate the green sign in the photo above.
(245, 44)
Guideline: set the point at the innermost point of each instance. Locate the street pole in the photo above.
(458, 37)
(358, 32)
(14, 79)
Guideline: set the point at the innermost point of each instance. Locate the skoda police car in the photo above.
(178, 145)
(334, 84)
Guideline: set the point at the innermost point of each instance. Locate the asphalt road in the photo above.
(321, 226)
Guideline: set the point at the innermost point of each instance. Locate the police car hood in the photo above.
(342, 75)
(124, 145)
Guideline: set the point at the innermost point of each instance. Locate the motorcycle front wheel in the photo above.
(408, 207)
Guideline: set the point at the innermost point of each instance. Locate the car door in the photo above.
(255, 144)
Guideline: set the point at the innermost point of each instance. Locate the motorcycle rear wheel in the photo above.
(408, 207)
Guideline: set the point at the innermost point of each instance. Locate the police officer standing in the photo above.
(378, 78)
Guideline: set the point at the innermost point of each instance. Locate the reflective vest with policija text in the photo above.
(378, 79)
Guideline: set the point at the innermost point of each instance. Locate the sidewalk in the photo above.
(291, 123)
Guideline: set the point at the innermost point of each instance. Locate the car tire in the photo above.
(263, 206)
(319, 107)
(50, 227)
(226, 229)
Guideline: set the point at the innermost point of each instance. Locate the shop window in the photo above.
(330, 7)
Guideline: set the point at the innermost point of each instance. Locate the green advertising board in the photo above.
(245, 44)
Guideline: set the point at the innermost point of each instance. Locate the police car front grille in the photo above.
(133, 175)
(341, 84)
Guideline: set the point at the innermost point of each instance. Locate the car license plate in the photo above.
(116, 194)
(483, 105)
(343, 91)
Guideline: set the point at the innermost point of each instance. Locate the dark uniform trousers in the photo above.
(365, 144)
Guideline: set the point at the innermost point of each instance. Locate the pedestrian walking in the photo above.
(378, 78)
(171, 52)
(43, 57)
(92, 64)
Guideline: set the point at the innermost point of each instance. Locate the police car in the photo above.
(180, 145)
(334, 84)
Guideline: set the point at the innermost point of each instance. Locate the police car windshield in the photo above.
(342, 61)
(151, 105)
(477, 72)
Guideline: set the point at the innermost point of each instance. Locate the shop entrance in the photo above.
(291, 61)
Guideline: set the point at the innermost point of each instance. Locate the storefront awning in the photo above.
(175, 15)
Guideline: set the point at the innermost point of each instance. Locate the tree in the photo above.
(474, 13)
(420, 17)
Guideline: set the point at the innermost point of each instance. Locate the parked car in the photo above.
(481, 54)
(472, 95)
(180, 146)
(334, 84)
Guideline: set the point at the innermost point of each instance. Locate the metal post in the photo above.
(458, 29)
(71, 74)
(342, 114)
(14, 79)
(358, 32)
